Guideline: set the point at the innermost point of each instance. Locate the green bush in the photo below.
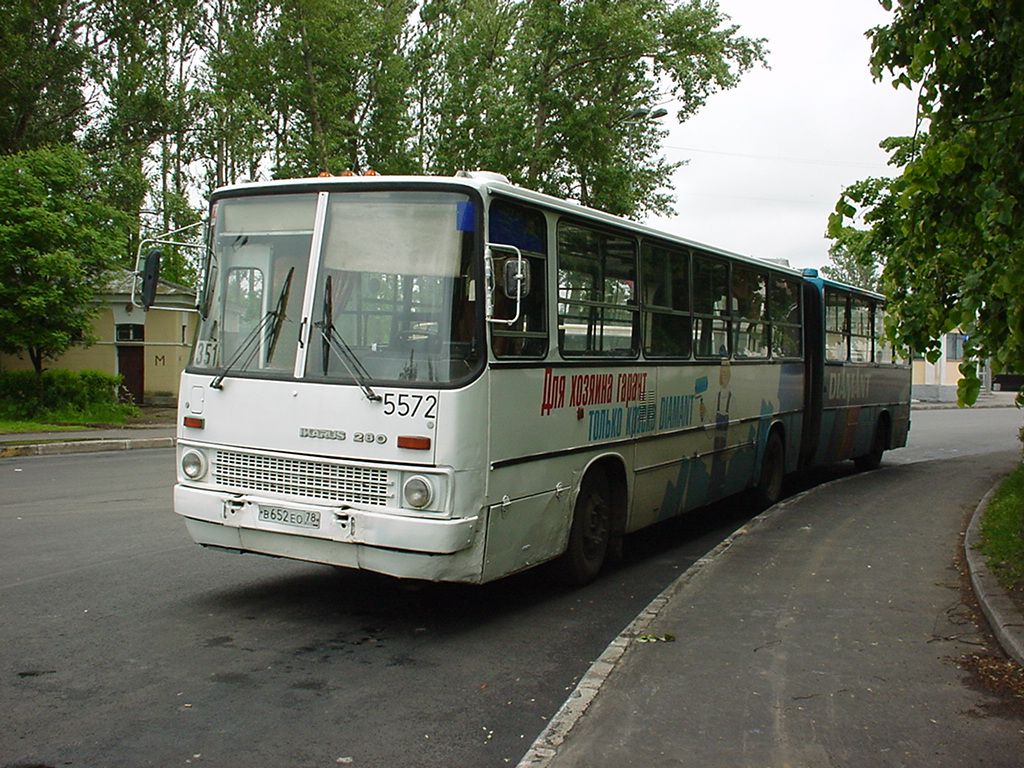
(62, 396)
(1002, 532)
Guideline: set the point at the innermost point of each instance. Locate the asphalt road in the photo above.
(123, 644)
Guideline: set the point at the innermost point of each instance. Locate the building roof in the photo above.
(119, 289)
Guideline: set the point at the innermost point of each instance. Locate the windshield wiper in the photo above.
(332, 340)
(279, 315)
(249, 348)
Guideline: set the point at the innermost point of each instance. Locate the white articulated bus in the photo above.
(457, 378)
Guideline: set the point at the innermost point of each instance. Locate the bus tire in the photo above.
(873, 458)
(773, 469)
(591, 531)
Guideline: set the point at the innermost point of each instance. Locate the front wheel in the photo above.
(591, 531)
(773, 469)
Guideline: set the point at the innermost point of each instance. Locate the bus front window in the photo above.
(396, 293)
(256, 275)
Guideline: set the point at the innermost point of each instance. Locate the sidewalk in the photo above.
(827, 632)
(985, 400)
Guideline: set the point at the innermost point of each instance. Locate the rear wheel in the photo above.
(773, 469)
(873, 458)
(590, 532)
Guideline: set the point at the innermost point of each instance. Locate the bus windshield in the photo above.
(394, 288)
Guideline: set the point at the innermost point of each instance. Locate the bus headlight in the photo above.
(193, 464)
(418, 492)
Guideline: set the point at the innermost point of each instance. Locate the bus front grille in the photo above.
(302, 478)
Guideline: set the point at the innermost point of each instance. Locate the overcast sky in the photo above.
(769, 158)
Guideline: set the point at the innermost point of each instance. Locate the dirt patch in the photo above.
(154, 415)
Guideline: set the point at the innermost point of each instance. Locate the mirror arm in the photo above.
(490, 282)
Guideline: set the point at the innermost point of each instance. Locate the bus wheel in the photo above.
(773, 468)
(873, 458)
(590, 532)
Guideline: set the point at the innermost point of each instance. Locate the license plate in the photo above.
(296, 518)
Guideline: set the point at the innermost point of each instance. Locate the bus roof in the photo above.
(486, 182)
(821, 282)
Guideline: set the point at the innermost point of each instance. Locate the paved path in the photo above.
(826, 634)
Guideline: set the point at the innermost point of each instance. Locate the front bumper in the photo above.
(404, 546)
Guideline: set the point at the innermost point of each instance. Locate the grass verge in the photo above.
(16, 427)
(1002, 533)
(69, 419)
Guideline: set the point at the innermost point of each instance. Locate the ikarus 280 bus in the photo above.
(457, 378)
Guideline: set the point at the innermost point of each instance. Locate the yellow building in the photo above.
(937, 382)
(148, 349)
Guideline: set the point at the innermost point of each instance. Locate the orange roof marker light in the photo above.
(371, 172)
(347, 172)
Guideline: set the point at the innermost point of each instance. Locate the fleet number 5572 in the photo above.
(406, 404)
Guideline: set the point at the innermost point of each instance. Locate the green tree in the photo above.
(343, 81)
(544, 91)
(41, 73)
(951, 224)
(852, 262)
(859, 248)
(58, 241)
(140, 132)
(179, 41)
(298, 87)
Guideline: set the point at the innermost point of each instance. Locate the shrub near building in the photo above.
(62, 397)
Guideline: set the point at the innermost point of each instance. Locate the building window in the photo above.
(130, 332)
(955, 346)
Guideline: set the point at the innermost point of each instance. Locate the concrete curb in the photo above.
(85, 446)
(946, 406)
(1002, 613)
(545, 746)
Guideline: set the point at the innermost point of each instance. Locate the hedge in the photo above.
(23, 395)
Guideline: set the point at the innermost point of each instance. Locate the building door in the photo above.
(130, 364)
(131, 360)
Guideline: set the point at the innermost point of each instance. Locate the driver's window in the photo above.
(526, 229)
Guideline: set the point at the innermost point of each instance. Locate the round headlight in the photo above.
(418, 492)
(193, 464)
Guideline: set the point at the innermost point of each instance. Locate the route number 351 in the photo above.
(406, 404)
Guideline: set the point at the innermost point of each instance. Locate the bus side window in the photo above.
(786, 318)
(883, 350)
(861, 330)
(749, 310)
(526, 229)
(597, 303)
(710, 307)
(665, 277)
(837, 326)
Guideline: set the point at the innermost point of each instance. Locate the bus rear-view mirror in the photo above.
(517, 272)
(150, 277)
